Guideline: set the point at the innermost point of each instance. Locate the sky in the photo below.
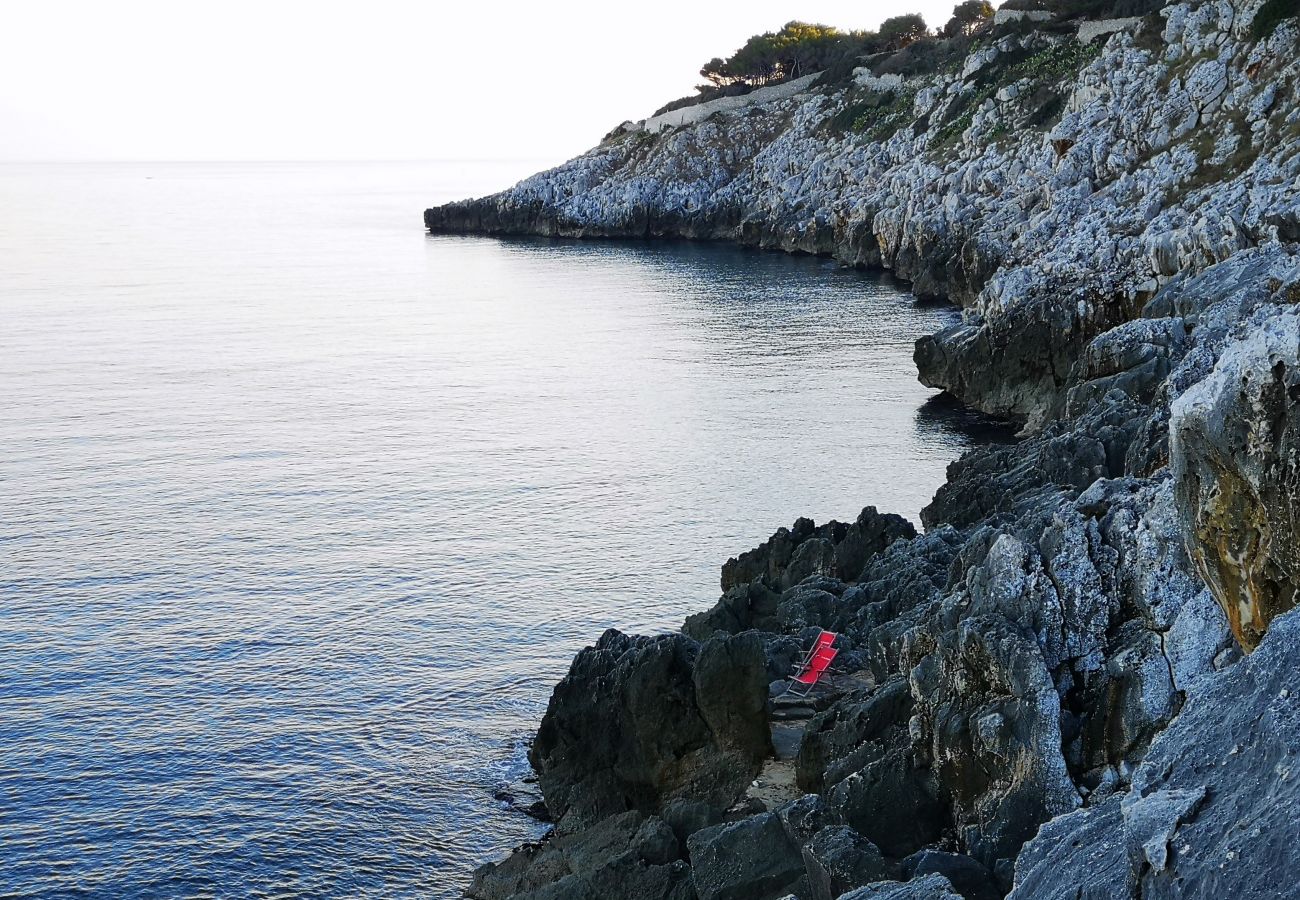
(385, 79)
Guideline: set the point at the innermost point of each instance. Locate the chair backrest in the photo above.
(817, 666)
(821, 660)
(825, 639)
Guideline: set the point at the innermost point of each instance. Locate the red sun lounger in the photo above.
(814, 664)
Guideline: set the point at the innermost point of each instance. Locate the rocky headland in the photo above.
(1082, 680)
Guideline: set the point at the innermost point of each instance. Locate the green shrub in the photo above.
(1046, 69)
(798, 49)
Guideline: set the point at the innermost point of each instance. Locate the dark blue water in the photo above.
(305, 511)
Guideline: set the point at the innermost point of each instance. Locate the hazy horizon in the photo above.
(148, 81)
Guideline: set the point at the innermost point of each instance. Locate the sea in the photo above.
(304, 511)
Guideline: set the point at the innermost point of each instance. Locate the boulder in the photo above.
(806, 550)
(1235, 454)
(640, 722)
(838, 858)
(1078, 856)
(625, 856)
(845, 737)
(753, 859)
(892, 802)
(967, 877)
(926, 887)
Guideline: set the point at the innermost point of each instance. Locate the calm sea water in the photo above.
(302, 511)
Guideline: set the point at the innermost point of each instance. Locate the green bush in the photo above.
(1047, 69)
(798, 49)
(968, 17)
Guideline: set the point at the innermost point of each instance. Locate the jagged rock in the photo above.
(927, 887)
(1079, 856)
(992, 714)
(752, 859)
(850, 734)
(1048, 639)
(892, 802)
(744, 606)
(806, 550)
(803, 818)
(1134, 358)
(640, 722)
(838, 858)
(1067, 458)
(1213, 810)
(967, 877)
(1134, 698)
(625, 856)
(1236, 460)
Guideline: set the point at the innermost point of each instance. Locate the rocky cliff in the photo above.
(1045, 693)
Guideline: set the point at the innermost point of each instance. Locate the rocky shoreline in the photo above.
(1082, 679)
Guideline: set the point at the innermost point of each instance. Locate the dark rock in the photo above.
(752, 859)
(640, 722)
(807, 551)
(926, 887)
(894, 804)
(686, 817)
(744, 606)
(1133, 699)
(838, 859)
(804, 817)
(871, 533)
(853, 730)
(625, 856)
(1134, 358)
(1066, 458)
(967, 877)
(1080, 856)
(992, 715)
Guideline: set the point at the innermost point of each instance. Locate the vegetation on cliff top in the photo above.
(800, 48)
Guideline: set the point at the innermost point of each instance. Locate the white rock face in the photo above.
(689, 115)
(1152, 165)
(864, 78)
(1090, 31)
(1006, 16)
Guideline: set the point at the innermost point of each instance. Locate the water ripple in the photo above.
(304, 512)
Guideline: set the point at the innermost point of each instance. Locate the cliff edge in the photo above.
(1081, 681)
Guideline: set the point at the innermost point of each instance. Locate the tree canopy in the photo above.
(898, 32)
(797, 49)
(801, 48)
(967, 17)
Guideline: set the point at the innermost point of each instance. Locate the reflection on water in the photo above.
(944, 413)
(305, 511)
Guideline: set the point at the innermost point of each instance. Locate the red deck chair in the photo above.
(813, 665)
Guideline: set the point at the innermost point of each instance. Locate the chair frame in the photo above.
(825, 641)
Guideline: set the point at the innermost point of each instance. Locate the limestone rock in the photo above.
(967, 877)
(752, 859)
(1236, 460)
(838, 858)
(640, 722)
(625, 856)
(927, 887)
